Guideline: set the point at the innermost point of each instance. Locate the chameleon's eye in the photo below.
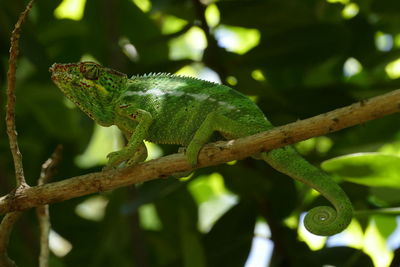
(90, 71)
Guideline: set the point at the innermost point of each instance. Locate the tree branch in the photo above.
(48, 169)
(211, 154)
(5, 231)
(9, 219)
(10, 109)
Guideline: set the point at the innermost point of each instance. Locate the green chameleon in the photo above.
(171, 109)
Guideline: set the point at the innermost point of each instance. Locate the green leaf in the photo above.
(228, 243)
(371, 169)
(343, 256)
(385, 225)
(390, 196)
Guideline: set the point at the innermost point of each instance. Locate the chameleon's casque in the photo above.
(170, 109)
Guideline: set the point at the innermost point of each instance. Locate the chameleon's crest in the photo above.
(170, 76)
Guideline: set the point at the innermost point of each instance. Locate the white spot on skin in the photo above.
(226, 105)
(198, 97)
(162, 93)
(154, 92)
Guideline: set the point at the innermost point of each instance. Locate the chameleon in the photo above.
(173, 109)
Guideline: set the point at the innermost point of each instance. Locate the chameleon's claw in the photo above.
(114, 160)
(107, 168)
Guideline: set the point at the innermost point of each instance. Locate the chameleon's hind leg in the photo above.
(214, 122)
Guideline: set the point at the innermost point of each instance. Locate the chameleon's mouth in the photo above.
(56, 70)
(53, 71)
(53, 67)
(60, 74)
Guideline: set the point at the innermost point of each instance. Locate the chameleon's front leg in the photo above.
(139, 122)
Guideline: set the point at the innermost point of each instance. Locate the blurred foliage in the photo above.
(294, 58)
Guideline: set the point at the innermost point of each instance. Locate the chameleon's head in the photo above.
(89, 85)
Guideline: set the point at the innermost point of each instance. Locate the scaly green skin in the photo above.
(168, 109)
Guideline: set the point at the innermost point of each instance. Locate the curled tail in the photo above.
(323, 220)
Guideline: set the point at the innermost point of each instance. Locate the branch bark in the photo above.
(43, 214)
(211, 154)
(10, 108)
(6, 227)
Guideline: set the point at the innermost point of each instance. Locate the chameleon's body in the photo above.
(168, 109)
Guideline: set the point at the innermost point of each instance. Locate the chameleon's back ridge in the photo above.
(172, 109)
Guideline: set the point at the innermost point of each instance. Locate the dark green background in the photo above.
(303, 47)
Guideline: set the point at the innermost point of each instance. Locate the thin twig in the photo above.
(9, 219)
(211, 154)
(48, 169)
(10, 109)
(385, 211)
(5, 231)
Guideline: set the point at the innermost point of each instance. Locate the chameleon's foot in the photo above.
(136, 159)
(115, 159)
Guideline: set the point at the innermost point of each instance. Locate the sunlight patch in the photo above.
(58, 244)
(375, 246)
(70, 9)
(351, 67)
(383, 41)
(172, 24)
(261, 247)
(321, 144)
(314, 242)
(93, 208)
(189, 45)
(258, 75)
(103, 141)
(397, 40)
(231, 80)
(393, 69)
(350, 10)
(212, 15)
(352, 236)
(237, 39)
(148, 217)
(212, 197)
(154, 151)
(144, 5)
(344, 2)
(199, 71)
